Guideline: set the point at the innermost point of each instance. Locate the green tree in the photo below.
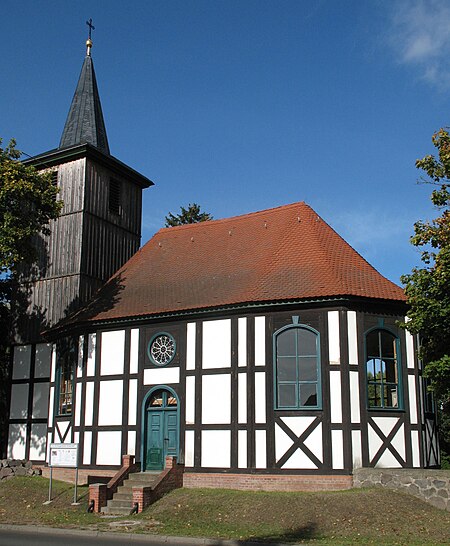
(28, 202)
(428, 287)
(191, 215)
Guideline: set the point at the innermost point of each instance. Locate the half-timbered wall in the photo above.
(104, 419)
(224, 379)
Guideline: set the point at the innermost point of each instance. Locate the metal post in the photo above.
(76, 484)
(50, 487)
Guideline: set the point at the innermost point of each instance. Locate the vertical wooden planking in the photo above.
(87, 241)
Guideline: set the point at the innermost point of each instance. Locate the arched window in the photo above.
(297, 368)
(383, 368)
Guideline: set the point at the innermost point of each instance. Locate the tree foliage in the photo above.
(28, 202)
(428, 287)
(189, 215)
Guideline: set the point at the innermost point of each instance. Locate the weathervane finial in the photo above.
(89, 41)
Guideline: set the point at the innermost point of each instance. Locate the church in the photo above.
(260, 349)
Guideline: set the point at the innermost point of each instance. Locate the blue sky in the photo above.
(250, 104)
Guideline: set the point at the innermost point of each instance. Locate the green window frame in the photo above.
(383, 370)
(297, 368)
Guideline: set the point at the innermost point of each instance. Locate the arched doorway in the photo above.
(161, 427)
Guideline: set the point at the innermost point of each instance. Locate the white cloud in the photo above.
(419, 33)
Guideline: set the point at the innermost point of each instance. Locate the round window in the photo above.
(161, 349)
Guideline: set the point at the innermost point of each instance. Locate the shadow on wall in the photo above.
(102, 301)
(29, 321)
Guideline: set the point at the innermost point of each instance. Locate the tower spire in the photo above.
(85, 122)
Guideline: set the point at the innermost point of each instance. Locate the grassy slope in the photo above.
(370, 516)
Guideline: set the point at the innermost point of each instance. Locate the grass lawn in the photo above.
(360, 516)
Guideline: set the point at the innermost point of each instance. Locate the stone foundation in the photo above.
(12, 467)
(432, 486)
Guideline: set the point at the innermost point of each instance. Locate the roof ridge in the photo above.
(231, 218)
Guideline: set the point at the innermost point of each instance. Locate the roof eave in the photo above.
(400, 307)
(63, 155)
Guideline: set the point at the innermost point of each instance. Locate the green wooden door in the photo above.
(161, 429)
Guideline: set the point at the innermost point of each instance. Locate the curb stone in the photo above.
(133, 537)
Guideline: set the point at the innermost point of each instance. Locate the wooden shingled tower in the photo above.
(100, 225)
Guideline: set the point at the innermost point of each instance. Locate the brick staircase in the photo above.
(129, 489)
(122, 501)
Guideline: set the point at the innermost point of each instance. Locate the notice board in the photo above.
(64, 455)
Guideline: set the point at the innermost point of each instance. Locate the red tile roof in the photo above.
(276, 255)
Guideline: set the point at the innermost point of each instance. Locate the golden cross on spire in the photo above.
(91, 27)
(89, 41)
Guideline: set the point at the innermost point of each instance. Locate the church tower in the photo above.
(98, 230)
(100, 225)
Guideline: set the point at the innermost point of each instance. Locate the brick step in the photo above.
(123, 495)
(128, 486)
(143, 476)
(116, 511)
(120, 503)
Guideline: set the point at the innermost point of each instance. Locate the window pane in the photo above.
(387, 345)
(308, 395)
(307, 368)
(372, 347)
(306, 342)
(371, 394)
(378, 368)
(287, 369)
(286, 343)
(68, 404)
(371, 369)
(391, 371)
(287, 396)
(375, 396)
(390, 396)
(156, 399)
(171, 400)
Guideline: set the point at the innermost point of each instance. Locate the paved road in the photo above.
(40, 536)
(21, 538)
